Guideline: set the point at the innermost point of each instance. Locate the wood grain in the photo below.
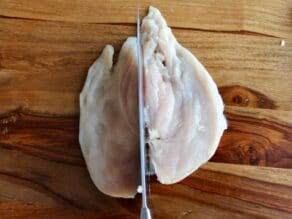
(10, 210)
(216, 190)
(52, 185)
(266, 17)
(251, 71)
(46, 48)
(226, 191)
(254, 137)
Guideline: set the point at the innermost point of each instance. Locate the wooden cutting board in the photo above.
(46, 48)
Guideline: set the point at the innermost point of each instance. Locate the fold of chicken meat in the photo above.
(109, 122)
(183, 109)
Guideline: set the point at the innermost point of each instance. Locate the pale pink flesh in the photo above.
(184, 110)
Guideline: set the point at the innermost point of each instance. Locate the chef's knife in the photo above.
(145, 211)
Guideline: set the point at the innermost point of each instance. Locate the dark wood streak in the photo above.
(52, 138)
(265, 123)
(242, 96)
(43, 153)
(256, 142)
(10, 210)
(40, 188)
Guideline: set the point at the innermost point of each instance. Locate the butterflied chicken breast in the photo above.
(184, 111)
(109, 122)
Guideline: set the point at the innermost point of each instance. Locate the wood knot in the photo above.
(237, 99)
(246, 97)
(251, 152)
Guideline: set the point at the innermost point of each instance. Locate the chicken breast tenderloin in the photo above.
(184, 111)
(108, 132)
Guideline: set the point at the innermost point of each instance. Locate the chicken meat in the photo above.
(108, 132)
(183, 112)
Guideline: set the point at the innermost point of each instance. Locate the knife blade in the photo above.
(145, 211)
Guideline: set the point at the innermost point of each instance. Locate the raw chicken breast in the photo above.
(184, 111)
(109, 122)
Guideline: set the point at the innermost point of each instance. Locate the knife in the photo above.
(145, 211)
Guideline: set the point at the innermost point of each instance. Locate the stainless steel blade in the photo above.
(145, 211)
